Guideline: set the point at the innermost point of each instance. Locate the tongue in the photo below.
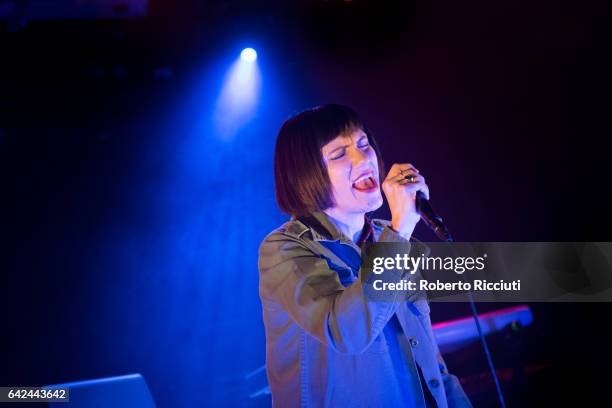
(365, 184)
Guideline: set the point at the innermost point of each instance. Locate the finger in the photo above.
(409, 166)
(417, 186)
(401, 179)
(415, 179)
(401, 167)
(426, 191)
(411, 178)
(400, 176)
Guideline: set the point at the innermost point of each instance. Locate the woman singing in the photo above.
(326, 345)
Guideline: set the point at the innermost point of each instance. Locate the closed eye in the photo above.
(363, 143)
(339, 155)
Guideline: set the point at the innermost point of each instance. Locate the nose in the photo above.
(358, 157)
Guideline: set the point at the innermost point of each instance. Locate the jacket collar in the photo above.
(327, 231)
(323, 229)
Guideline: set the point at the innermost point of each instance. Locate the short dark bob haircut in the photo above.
(302, 184)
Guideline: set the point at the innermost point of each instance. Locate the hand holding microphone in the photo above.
(408, 198)
(400, 187)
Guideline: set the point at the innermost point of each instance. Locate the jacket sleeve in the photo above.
(305, 286)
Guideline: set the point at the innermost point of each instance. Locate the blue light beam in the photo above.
(239, 97)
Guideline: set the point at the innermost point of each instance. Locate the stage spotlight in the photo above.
(239, 96)
(248, 55)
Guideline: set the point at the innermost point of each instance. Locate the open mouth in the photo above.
(365, 184)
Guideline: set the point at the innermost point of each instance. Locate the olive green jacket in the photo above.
(326, 345)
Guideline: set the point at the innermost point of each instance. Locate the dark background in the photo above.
(131, 230)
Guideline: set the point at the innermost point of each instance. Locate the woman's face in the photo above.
(352, 166)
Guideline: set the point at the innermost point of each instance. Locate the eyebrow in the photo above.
(338, 148)
(345, 146)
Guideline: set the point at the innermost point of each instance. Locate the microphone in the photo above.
(431, 218)
(434, 221)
